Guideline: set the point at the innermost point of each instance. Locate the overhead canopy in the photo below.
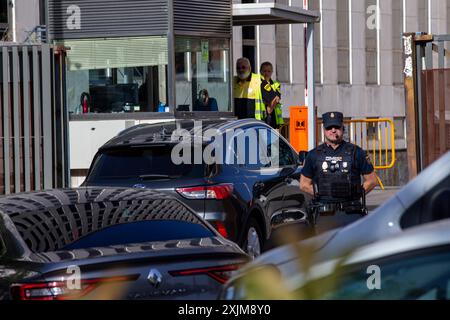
(253, 14)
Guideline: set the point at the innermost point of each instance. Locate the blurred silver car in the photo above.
(410, 265)
(425, 199)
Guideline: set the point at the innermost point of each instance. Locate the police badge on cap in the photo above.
(331, 119)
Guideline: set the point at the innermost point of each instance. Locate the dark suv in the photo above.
(244, 197)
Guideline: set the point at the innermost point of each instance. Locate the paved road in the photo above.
(377, 197)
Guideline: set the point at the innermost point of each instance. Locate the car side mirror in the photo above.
(302, 157)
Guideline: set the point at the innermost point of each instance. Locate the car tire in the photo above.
(253, 239)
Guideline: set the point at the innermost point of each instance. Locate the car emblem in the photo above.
(332, 115)
(154, 278)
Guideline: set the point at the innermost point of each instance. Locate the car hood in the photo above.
(290, 252)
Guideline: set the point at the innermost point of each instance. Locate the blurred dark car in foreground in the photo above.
(107, 243)
(413, 265)
(425, 199)
(244, 200)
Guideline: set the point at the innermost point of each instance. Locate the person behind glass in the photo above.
(205, 102)
(332, 172)
(253, 95)
(274, 115)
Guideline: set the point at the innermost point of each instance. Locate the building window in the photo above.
(117, 75)
(202, 64)
(447, 45)
(316, 5)
(249, 44)
(400, 130)
(42, 12)
(343, 41)
(3, 11)
(372, 43)
(397, 33)
(423, 16)
(3, 17)
(282, 35)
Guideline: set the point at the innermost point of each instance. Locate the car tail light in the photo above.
(219, 192)
(220, 227)
(220, 274)
(60, 290)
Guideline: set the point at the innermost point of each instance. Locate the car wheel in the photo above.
(253, 242)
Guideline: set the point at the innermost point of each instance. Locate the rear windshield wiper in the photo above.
(156, 177)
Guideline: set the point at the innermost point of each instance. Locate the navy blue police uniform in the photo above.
(336, 173)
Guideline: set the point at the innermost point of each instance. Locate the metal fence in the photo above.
(427, 91)
(376, 137)
(33, 118)
(434, 102)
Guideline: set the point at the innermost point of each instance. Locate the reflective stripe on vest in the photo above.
(276, 86)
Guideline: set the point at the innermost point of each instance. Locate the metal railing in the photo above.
(33, 118)
(377, 137)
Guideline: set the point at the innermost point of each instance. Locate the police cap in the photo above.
(331, 119)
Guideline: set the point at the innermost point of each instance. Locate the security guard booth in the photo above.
(136, 56)
(145, 61)
(273, 13)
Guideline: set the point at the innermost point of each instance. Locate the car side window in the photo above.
(423, 275)
(432, 206)
(244, 149)
(279, 151)
(256, 148)
(287, 157)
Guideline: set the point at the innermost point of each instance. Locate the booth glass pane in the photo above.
(120, 75)
(202, 64)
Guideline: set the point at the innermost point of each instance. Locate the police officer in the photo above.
(332, 172)
(252, 93)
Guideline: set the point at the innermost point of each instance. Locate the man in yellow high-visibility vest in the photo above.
(274, 115)
(252, 93)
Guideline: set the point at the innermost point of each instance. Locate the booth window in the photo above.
(202, 65)
(117, 75)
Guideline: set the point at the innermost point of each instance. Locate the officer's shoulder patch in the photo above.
(268, 87)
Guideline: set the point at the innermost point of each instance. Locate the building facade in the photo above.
(358, 45)
(358, 57)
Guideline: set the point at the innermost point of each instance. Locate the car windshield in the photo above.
(148, 163)
(141, 232)
(133, 218)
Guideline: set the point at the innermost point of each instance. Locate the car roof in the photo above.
(38, 200)
(148, 134)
